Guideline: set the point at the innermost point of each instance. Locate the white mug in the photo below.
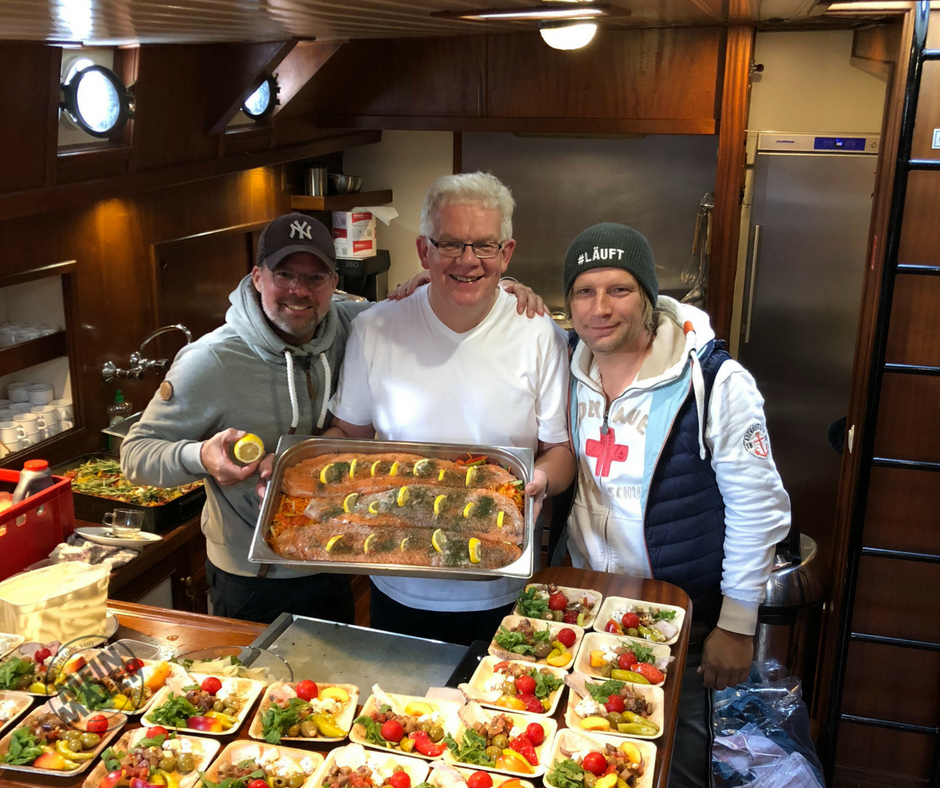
(65, 424)
(19, 392)
(41, 394)
(10, 435)
(63, 407)
(27, 423)
(48, 419)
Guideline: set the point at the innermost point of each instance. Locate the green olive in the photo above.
(614, 718)
(542, 650)
(632, 632)
(72, 734)
(293, 731)
(185, 763)
(295, 780)
(436, 733)
(23, 682)
(500, 741)
(558, 615)
(493, 753)
(278, 782)
(90, 740)
(548, 616)
(605, 670)
(167, 763)
(231, 711)
(425, 726)
(218, 705)
(509, 688)
(589, 780)
(74, 745)
(308, 729)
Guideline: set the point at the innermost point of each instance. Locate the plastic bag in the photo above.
(762, 735)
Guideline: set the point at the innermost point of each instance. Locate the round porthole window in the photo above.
(261, 103)
(95, 99)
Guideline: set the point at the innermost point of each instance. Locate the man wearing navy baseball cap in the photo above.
(675, 476)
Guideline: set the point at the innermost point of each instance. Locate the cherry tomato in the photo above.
(626, 660)
(211, 685)
(613, 626)
(500, 666)
(614, 703)
(567, 636)
(96, 724)
(532, 703)
(257, 784)
(557, 601)
(42, 655)
(535, 733)
(524, 747)
(525, 685)
(571, 616)
(306, 690)
(392, 731)
(595, 763)
(156, 730)
(630, 621)
(133, 665)
(399, 780)
(649, 671)
(480, 780)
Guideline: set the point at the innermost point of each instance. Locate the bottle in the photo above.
(34, 478)
(120, 410)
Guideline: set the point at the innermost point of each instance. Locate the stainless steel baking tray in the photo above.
(293, 449)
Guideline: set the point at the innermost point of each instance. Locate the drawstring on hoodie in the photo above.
(292, 390)
(698, 387)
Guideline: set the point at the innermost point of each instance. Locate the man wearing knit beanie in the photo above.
(675, 476)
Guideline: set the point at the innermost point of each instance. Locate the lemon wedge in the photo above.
(333, 541)
(393, 471)
(324, 472)
(438, 502)
(403, 495)
(440, 476)
(438, 540)
(421, 466)
(404, 543)
(474, 547)
(499, 519)
(468, 509)
(352, 468)
(374, 466)
(374, 507)
(471, 475)
(247, 449)
(349, 502)
(369, 539)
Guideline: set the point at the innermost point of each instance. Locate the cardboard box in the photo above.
(355, 249)
(354, 234)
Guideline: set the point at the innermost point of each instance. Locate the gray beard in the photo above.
(294, 332)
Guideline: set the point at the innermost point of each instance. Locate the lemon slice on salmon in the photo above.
(440, 476)
(374, 466)
(323, 472)
(352, 468)
(438, 502)
(471, 475)
(374, 507)
(421, 466)
(438, 540)
(333, 540)
(468, 509)
(248, 448)
(349, 502)
(404, 543)
(369, 540)
(499, 519)
(403, 496)
(393, 471)
(474, 547)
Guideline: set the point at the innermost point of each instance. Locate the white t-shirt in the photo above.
(502, 383)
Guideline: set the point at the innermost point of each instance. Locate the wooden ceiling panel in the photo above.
(109, 22)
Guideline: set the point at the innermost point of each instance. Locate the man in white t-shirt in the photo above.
(456, 363)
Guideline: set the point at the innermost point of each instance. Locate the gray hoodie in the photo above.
(236, 376)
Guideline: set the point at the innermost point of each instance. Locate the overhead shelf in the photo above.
(16, 358)
(339, 202)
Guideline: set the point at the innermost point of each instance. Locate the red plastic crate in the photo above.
(30, 530)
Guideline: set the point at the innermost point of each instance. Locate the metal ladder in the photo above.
(905, 164)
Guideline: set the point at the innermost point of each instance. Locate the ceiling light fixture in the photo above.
(543, 11)
(260, 104)
(95, 99)
(572, 34)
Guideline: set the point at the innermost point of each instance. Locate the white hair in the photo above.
(477, 188)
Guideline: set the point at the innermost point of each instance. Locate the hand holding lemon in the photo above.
(232, 456)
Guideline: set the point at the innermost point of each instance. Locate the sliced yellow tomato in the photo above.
(595, 724)
(334, 693)
(157, 676)
(632, 752)
(510, 702)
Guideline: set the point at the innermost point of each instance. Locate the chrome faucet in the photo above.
(140, 364)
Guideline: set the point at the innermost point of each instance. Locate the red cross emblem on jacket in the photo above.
(607, 451)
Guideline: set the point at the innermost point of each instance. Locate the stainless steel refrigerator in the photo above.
(809, 214)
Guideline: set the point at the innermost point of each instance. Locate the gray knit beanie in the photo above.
(609, 245)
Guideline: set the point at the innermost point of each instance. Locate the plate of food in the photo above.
(443, 775)
(626, 659)
(115, 681)
(56, 740)
(242, 762)
(515, 685)
(616, 707)
(100, 534)
(404, 723)
(544, 642)
(559, 603)
(203, 704)
(12, 706)
(41, 669)
(500, 741)
(577, 754)
(181, 759)
(372, 769)
(384, 507)
(305, 711)
(635, 618)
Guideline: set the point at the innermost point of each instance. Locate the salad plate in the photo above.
(574, 746)
(604, 655)
(498, 684)
(172, 710)
(374, 727)
(257, 761)
(559, 603)
(133, 744)
(651, 617)
(375, 767)
(543, 642)
(586, 709)
(114, 681)
(286, 704)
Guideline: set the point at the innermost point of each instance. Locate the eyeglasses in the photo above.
(288, 280)
(482, 249)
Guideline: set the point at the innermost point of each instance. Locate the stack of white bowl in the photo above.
(31, 414)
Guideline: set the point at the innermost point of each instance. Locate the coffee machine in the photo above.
(365, 276)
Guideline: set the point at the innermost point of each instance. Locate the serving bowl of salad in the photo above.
(515, 685)
(616, 707)
(550, 602)
(597, 760)
(305, 711)
(627, 659)
(543, 642)
(404, 723)
(203, 704)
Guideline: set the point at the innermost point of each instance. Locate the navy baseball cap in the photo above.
(295, 232)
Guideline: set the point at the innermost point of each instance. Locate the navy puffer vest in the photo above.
(685, 513)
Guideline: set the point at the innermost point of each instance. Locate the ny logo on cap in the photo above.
(302, 229)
